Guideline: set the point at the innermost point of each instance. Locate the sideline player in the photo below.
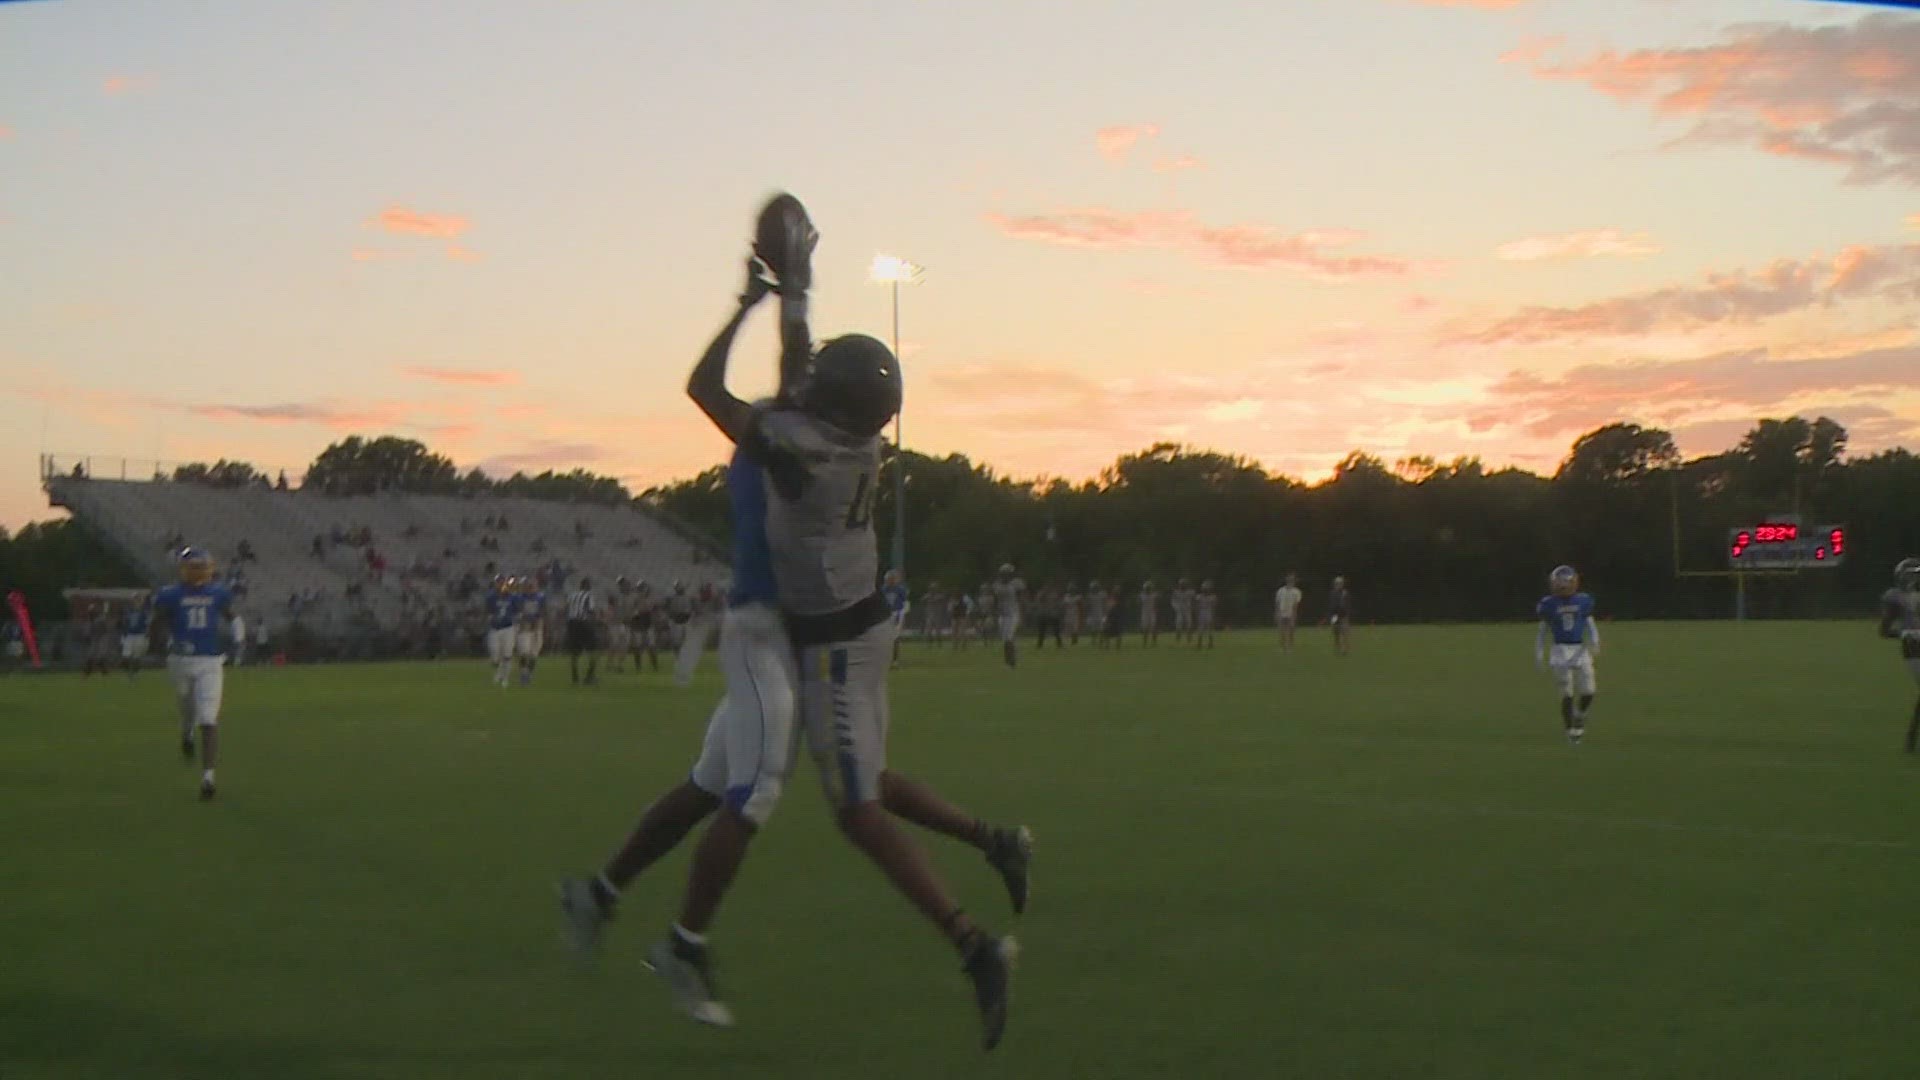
(1566, 618)
(1340, 617)
(503, 614)
(1097, 614)
(530, 637)
(195, 612)
(1149, 613)
(133, 637)
(1206, 616)
(1900, 619)
(898, 604)
(1286, 610)
(1182, 602)
(820, 446)
(1008, 591)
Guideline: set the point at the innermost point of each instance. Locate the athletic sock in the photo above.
(1566, 711)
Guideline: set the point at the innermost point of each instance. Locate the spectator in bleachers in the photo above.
(244, 552)
(319, 548)
(338, 534)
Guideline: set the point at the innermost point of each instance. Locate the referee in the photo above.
(582, 609)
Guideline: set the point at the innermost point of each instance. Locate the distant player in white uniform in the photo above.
(503, 619)
(1206, 615)
(1182, 604)
(133, 637)
(1149, 613)
(1566, 622)
(1286, 610)
(1097, 613)
(1900, 620)
(818, 445)
(196, 613)
(1009, 589)
(1073, 607)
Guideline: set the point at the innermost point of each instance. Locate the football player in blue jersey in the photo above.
(195, 613)
(529, 639)
(1900, 620)
(1566, 622)
(503, 616)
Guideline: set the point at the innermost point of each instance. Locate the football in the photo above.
(783, 237)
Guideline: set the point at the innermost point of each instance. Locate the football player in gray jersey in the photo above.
(1900, 620)
(819, 443)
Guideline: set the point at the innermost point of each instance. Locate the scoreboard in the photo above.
(1785, 544)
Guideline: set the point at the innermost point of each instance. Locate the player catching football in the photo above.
(816, 450)
(1566, 619)
(1900, 619)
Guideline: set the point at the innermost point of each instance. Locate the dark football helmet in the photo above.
(1906, 573)
(854, 384)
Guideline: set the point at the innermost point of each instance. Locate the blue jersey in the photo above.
(896, 598)
(134, 622)
(1566, 617)
(752, 554)
(502, 610)
(195, 617)
(532, 606)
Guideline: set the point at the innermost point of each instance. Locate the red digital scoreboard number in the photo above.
(1785, 545)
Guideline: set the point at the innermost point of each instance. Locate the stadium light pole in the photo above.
(893, 272)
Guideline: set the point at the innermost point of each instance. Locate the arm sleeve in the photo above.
(1593, 633)
(1540, 642)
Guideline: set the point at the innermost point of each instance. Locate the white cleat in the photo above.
(692, 985)
(583, 914)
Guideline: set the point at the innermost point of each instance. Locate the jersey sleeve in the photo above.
(1544, 609)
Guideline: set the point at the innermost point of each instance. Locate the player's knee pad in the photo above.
(754, 802)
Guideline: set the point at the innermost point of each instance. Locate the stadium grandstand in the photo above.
(364, 575)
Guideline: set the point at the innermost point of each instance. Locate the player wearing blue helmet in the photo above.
(1566, 622)
(194, 613)
(1900, 620)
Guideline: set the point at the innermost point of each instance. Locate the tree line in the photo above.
(1418, 539)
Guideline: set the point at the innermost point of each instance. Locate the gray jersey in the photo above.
(1902, 610)
(1007, 593)
(820, 511)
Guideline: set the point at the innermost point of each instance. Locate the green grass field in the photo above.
(1250, 865)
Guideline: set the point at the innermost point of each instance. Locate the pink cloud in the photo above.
(1115, 142)
(1847, 95)
(1913, 221)
(1739, 298)
(539, 455)
(461, 376)
(1178, 164)
(116, 85)
(1584, 244)
(332, 416)
(1249, 246)
(1749, 381)
(402, 221)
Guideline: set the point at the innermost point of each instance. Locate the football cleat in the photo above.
(583, 914)
(989, 964)
(688, 971)
(206, 790)
(186, 748)
(1010, 851)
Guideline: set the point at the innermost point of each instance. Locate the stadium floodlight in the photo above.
(893, 272)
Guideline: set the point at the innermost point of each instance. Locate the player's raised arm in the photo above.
(707, 386)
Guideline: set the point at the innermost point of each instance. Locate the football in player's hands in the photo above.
(783, 238)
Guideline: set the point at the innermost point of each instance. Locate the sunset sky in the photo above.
(1286, 229)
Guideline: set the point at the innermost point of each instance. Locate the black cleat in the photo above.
(206, 791)
(989, 964)
(186, 748)
(1010, 851)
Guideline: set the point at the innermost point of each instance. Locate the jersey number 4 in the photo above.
(860, 511)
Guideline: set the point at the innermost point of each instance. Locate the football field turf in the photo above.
(1249, 865)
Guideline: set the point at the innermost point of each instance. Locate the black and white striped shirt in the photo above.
(580, 605)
